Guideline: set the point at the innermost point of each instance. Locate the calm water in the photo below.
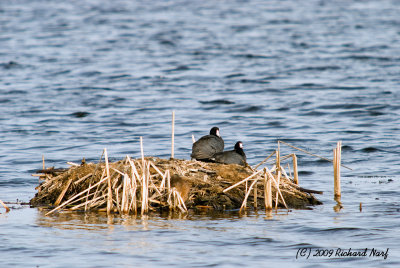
(79, 76)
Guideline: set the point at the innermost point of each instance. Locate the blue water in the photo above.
(80, 76)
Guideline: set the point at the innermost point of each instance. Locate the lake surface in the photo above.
(80, 76)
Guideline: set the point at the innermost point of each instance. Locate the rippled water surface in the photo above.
(79, 76)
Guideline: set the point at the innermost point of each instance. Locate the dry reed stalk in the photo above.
(117, 199)
(77, 200)
(98, 186)
(178, 200)
(255, 196)
(265, 160)
(132, 191)
(61, 196)
(278, 160)
(125, 194)
(156, 169)
(82, 179)
(44, 166)
(173, 134)
(242, 181)
(304, 151)
(141, 151)
(168, 180)
(285, 174)
(295, 172)
(244, 204)
(158, 191)
(290, 171)
(87, 202)
(278, 178)
(109, 198)
(267, 192)
(336, 168)
(5, 206)
(77, 195)
(193, 139)
(87, 197)
(91, 179)
(163, 181)
(286, 157)
(145, 190)
(134, 170)
(276, 185)
(169, 189)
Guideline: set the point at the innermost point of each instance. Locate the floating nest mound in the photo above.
(150, 184)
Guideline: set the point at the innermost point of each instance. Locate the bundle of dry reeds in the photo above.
(123, 187)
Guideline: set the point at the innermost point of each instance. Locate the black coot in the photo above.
(207, 146)
(236, 156)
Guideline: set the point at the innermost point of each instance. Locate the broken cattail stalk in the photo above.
(244, 204)
(173, 134)
(278, 160)
(295, 172)
(43, 162)
(278, 178)
(125, 193)
(284, 173)
(265, 160)
(255, 196)
(145, 189)
(242, 181)
(141, 151)
(87, 202)
(276, 185)
(83, 178)
(61, 196)
(290, 171)
(336, 168)
(5, 206)
(304, 151)
(109, 197)
(267, 192)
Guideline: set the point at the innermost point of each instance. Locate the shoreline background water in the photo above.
(79, 76)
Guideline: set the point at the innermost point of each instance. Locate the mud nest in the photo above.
(150, 184)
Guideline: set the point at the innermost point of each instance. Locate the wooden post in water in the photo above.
(336, 169)
(267, 192)
(295, 173)
(173, 134)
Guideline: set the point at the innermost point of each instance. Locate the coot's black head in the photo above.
(215, 131)
(239, 145)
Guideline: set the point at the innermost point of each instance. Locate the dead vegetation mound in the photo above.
(149, 184)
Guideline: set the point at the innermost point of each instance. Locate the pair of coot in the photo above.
(210, 148)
